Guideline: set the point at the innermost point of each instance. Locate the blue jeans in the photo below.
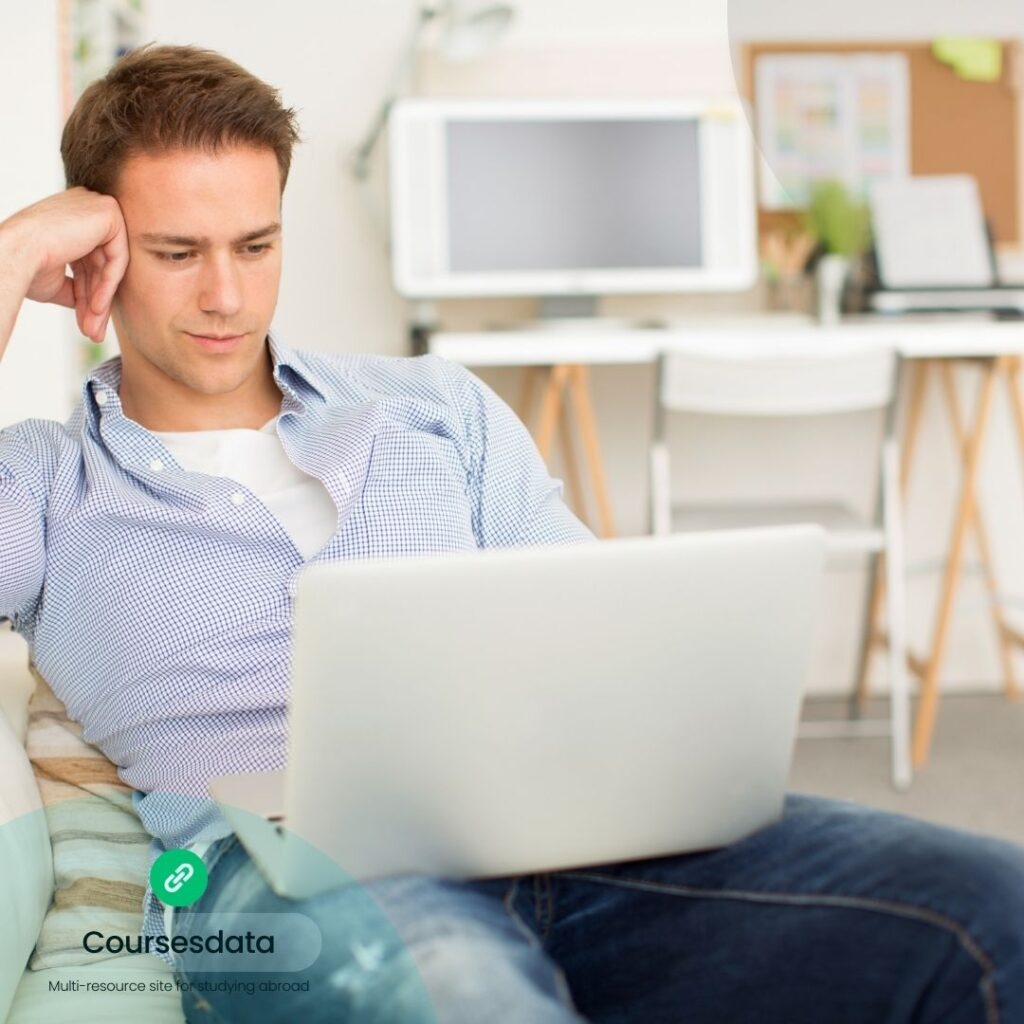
(836, 914)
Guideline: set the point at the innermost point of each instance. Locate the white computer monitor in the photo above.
(580, 197)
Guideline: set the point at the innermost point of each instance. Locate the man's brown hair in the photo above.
(161, 98)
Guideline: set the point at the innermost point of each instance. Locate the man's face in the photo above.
(204, 240)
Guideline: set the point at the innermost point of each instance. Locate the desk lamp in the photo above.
(468, 30)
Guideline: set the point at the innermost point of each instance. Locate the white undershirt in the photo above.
(257, 460)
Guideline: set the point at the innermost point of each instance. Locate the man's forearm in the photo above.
(15, 276)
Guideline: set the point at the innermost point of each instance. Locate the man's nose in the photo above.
(220, 286)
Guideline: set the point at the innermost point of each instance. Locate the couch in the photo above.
(26, 865)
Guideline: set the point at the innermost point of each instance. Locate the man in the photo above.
(150, 551)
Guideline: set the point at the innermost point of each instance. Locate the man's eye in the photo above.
(174, 257)
(255, 249)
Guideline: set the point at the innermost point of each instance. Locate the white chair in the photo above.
(736, 379)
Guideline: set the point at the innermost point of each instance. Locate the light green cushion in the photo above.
(25, 854)
(100, 848)
(34, 1002)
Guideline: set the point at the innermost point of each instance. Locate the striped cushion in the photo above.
(100, 849)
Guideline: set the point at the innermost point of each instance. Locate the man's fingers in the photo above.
(87, 230)
(96, 262)
(81, 289)
(66, 295)
(95, 318)
(114, 257)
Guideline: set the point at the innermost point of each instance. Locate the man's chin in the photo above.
(215, 380)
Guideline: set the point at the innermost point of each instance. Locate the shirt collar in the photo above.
(292, 373)
(293, 366)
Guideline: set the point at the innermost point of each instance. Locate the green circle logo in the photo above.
(178, 877)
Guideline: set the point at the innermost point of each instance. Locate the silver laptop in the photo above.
(502, 712)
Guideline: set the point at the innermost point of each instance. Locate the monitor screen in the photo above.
(562, 195)
(571, 197)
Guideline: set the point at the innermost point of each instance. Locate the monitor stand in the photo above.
(567, 307)
(576, 312)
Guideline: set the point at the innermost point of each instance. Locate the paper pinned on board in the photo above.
(823, 116)
(975, 60)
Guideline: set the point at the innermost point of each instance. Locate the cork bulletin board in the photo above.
(956, 126)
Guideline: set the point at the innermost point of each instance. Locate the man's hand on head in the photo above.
(82, 229)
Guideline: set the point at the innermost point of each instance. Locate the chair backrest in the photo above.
(804, 379)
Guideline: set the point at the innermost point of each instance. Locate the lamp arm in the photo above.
(361, 159)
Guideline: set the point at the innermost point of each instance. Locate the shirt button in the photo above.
(156, 465)
(101, 398)
(238, 498)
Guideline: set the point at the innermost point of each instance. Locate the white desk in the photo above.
(930, 345)
(966, 338)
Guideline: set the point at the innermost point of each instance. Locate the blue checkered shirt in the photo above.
(158, 602)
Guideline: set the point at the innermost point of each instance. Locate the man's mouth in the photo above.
(217, 342)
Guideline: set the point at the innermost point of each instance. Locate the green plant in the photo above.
(839, 222)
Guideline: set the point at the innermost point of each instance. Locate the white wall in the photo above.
(332, 61)
(874, 19)
(42, 359)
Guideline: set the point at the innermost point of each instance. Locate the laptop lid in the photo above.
(500, 712)
(930, 233)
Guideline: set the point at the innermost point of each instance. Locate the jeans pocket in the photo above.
(216, 852)
(218, 849)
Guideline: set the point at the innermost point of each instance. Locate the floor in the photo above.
(973, 780)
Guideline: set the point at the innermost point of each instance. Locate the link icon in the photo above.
(178, 877)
